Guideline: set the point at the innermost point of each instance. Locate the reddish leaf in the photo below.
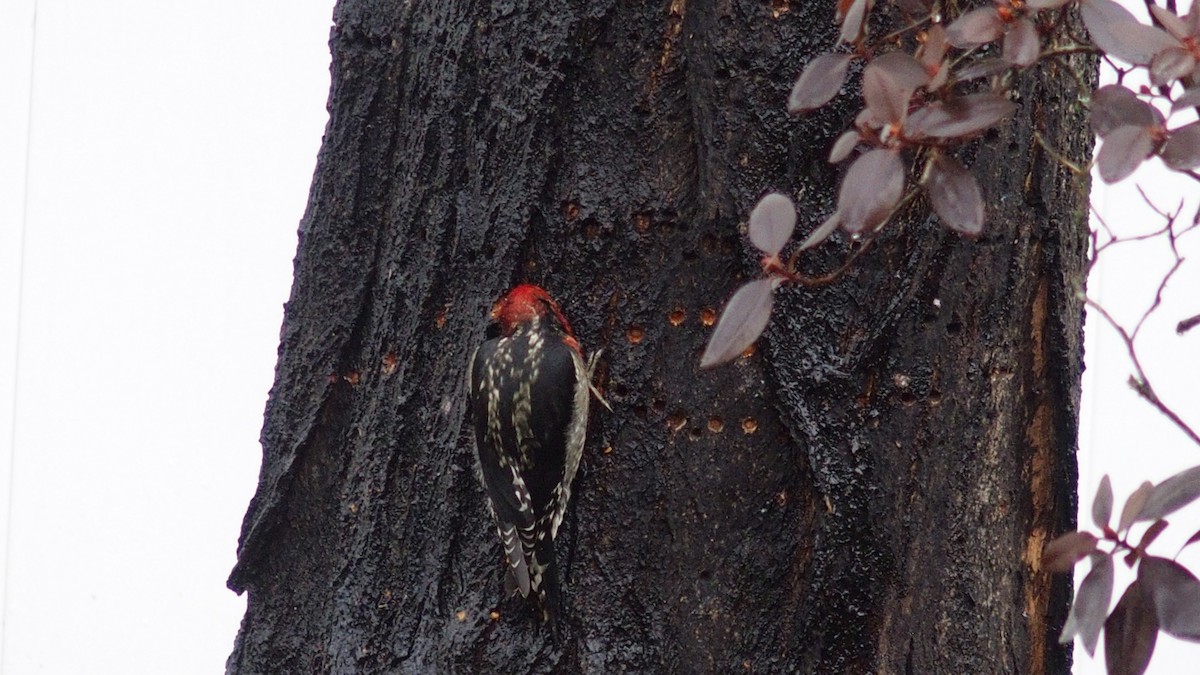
(940, 78)
(1171, 64)
(1102, 503)
(772, 222)
(976, 27)
(870, 189)
(1115, 106)
(1107, 12)
(933, 50)
(1130, 633)
(1133, 505)
(1021, 43)
(1091, 604)
(1175, 594)
(955, 196)
(1123, 151)
(958, 117)
(865, 118)
(903, 69)
(1151, 534)
(1172, 494)
(1176, 26)
(821, 80)
(1182, 149)
(886, 99)
(1191, 540)
(887, 86)
(1188, 99)
(843, 146)
(1061, 554)
(821, 233)
(1116, 32)
(742, 321)
(854, 21)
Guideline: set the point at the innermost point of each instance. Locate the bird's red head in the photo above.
(522, 304)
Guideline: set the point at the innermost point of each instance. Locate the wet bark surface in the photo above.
(866, 492)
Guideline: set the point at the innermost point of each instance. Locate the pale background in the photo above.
(155, 159)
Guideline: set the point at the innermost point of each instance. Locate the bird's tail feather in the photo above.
(516, 572)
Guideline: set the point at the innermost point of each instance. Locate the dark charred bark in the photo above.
(868, 491)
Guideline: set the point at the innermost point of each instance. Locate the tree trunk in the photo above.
(868, 491)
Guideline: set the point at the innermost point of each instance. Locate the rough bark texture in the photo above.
(868, 492)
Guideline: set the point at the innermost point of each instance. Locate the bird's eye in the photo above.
(493, 330)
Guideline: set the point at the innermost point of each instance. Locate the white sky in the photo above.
(172, 147)
(151, 181)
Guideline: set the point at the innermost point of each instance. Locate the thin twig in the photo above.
(1187, 324)
(901, 31)
(1162, 284)
(1139, 382)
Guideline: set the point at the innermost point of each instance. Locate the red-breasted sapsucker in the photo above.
(529, 398)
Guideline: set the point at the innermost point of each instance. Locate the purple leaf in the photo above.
(1172, 494)
(742, 321)
(843, 146)
(1123, 151)
(1061, 554)
(1190, 98)
(1115, 106)
(933, 51)
(854, 21)
(1091, 604)
(940, 78)
(976, 27)
(955, 196)
(1133, 505)
(1171, 64)
(821, 233)
(1182, 149)
(959, 117)
(903, 69)
(772, 222)
(821, 80)
(1130, 633)
(1021, 43)
(886, 99)
(870, 189)
(1191, 540)
(1175, 594)
(1176, 26)
(1102, 503)
(1045, 4)
(1151, 534)
(932, 56)
(1107, 11)
(1116, 32)
(865, 118)
(887, 87)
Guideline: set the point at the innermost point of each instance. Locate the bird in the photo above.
(530, 388)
